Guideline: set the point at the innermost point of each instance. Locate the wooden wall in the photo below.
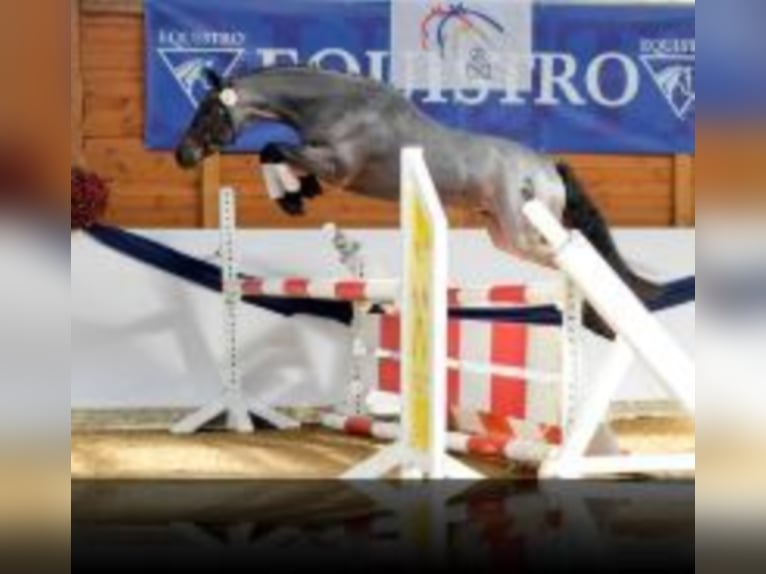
(150, 191)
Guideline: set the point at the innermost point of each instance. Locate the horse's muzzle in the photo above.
(189, 154)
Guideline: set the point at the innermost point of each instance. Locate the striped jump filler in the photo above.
(486, 446)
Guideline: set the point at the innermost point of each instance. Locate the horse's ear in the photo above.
(213, 79)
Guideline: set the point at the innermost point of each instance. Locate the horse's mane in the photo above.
(304, 69)
(296, 67)
(364, 86)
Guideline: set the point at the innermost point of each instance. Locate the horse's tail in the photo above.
(580, 213)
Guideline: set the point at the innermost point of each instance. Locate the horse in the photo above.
(351, 130)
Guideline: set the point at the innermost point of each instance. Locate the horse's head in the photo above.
(213, 126)
(288, 95)
(220, 117)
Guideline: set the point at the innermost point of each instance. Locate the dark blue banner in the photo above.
(604, 79)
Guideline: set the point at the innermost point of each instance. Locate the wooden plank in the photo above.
(113, 116)
(112, 6)
(112, 31)
(110, 57)
(257, 210)
(631, 190)
(211, 185)
(102, 84)
(112, 43)
(683, 189)
(97, 81)
(636, 162)
(76, 87)
(149, 205)
(128, 160)
(113, 103)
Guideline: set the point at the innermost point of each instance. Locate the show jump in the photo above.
(552, 423)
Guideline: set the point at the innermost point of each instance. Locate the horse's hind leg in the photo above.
(510, 233)
(519, 183)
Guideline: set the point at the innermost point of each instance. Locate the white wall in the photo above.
(144, 339)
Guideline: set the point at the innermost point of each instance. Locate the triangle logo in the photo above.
(673, 74)
(187, 66)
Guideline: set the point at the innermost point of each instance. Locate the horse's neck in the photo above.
(304, 101)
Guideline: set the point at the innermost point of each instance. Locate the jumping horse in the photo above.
(351, 130)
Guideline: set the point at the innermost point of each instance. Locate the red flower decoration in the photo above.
(90, 195)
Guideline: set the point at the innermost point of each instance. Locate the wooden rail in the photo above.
(76, 95)
(683, 191)
(111, 6)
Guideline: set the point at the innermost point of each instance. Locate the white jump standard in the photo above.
(232, 403)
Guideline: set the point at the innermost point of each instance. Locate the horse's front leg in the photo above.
(319, 162)
(284, 186)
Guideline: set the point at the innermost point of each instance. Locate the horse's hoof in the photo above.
(310, 187)
(292, 204)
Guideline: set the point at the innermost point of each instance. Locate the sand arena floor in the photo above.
(309, 453)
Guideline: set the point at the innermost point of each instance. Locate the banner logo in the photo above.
(469, 45)
(670, 63)
(458, 30)
(188, 64)
(451, 24)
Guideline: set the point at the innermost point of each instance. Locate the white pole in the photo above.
(571, 390)
(237, 416)
(231, 287)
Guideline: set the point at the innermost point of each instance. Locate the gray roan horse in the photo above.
(352, 130)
